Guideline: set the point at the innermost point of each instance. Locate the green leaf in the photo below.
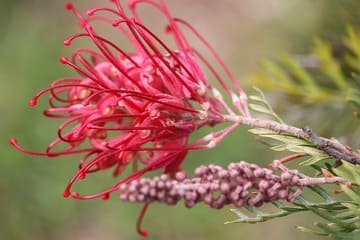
(289, 76)
(257, 99)
(313, 160)
(261, 131)
(260, 108)
(280, 148)
(288, 139)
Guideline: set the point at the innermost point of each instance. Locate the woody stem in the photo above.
(331, 147)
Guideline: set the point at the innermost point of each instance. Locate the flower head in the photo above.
(139, 106)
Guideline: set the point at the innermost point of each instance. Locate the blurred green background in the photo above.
(31, 34)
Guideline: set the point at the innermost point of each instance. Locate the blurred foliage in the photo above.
(354, 98)
(317, 85)
(316, 77)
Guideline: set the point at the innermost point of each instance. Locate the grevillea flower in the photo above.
(136, 107)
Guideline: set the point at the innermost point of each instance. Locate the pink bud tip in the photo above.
(13, 141)
(67, 42)
(63, 60)
(116, 23)
(106, 196)
(32, 102)
(75, 195)
(168, 29)
(90, 12)
(69, 6)
(143, 233)
(66, 193)
(82, 24)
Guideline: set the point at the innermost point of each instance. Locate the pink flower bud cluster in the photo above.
(239, 184)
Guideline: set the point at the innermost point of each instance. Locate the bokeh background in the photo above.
(31, 34)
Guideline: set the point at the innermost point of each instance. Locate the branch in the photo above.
(331, 147)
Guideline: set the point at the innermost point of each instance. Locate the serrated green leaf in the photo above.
(295, 148)
(257, 99)
(287, 139)
(313, 160)
(314, 152)
(261, 131)
(264, 106)
(260, 108)
(279, 148)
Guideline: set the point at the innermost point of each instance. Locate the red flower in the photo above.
(138, 106)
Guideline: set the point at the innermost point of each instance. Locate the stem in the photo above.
(142, 232)
(331, 147)
(268, 124)
(323, 180)
(306, 180)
